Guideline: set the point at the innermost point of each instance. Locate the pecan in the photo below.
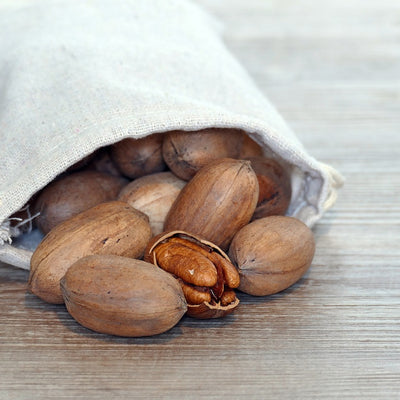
(271, 254)
(206, 274)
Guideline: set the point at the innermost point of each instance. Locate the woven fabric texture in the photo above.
(77, 75)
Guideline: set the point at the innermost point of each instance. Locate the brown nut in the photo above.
(275, 188)
(271, 254)
(72, 194)
(102, 162)
(154, 195)
(186, 152)
(249, 148)
(218, 201)
(122, 296)
(108, 228)
(139, 157)
(204, 271)
(24, 220)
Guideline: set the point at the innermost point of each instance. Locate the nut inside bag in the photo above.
(77, 76)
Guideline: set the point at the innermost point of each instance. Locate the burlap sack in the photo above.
(76, 75)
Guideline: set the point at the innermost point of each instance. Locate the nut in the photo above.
(122, 296)
(108, 228)
(271, 254)
(186, 152)
(102, 162)
(153, 195)
(204, 271)
(275, 188)
(249, 148)
(218, 201)
(139, 157)
(72, 194)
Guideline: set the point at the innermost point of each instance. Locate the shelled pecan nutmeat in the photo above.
(204, 271)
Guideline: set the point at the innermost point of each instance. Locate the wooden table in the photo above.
(333, 69)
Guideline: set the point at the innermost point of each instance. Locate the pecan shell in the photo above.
(205, 272)
(218, 201)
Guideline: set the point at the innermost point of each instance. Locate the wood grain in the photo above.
(333, 70)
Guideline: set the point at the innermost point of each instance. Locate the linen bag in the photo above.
(76, 75)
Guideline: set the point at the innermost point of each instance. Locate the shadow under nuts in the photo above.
(108, 228)
(271, 254)
(218, 201)
(204, 271)
(122, 296)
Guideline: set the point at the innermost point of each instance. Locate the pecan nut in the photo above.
(207, 276)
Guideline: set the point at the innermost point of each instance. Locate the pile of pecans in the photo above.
(146, 230)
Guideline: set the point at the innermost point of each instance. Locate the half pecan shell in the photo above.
(205, 272)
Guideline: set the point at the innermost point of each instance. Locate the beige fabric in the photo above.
(76, 75)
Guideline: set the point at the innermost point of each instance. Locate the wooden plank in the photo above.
(332, 69)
